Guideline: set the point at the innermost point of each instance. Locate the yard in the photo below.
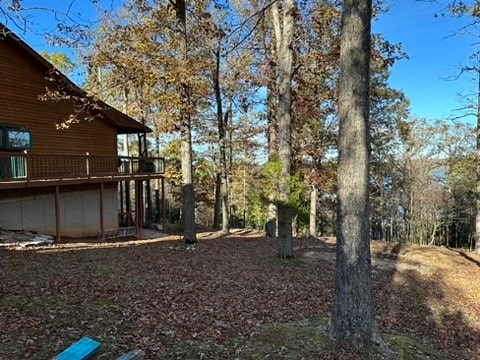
(229, 298)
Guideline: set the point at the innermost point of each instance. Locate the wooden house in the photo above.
(63, 182)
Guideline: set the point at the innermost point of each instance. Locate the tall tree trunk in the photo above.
(353, 317)
(477, 200)
(245, 203)
(272, 101)
(313, 212)
(217, 206)
(188, 201)
(143, 152)
(222, 138)
(271, 224)
(224, 174)
(283, 29)
(188, 191)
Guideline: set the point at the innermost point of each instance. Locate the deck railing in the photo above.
(31, 167)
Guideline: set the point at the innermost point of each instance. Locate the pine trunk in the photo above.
(353, 317)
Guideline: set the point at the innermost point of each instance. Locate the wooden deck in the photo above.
(20, 170)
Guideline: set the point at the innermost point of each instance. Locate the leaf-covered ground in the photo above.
(230, 298)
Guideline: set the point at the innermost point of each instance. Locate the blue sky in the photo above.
(43, 16)
(434, 56)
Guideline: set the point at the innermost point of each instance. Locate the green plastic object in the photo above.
(83, 349)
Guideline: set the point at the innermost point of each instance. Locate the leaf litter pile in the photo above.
(230, 298)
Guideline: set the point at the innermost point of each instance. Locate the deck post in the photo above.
(138, 207)
(164, 213)
(26, 165)
(102, 219)
(120, 190)
(57, 213)
(128, 203)
(87, 163)
(157, 215)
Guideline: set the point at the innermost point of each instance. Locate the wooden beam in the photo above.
(57, 214)
(102, 219)
(138, 208)
(34, 183)
(164, 213)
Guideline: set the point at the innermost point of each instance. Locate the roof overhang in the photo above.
(124, 123)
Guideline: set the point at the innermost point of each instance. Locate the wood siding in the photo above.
(21, 84)
(56, 187)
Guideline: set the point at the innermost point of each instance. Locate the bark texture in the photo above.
(272, 99)
(353, 318)
(283, 25)
(222, 123)
(188, 193)
(313, 212)
(477, 200)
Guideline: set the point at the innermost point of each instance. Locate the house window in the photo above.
(15, 138)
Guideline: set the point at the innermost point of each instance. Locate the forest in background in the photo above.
(270, 114)
(218, 71)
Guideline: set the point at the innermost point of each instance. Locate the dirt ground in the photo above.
(219, 299)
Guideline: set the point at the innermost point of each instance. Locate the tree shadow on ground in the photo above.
(465, 256)
(423, 303)
(416, 300)
(160, 298)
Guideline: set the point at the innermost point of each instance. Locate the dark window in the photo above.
(15, 138)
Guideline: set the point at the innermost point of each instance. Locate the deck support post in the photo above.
(138, 207)
(164, 213)
(128, 203)
(102, 219)
(57, 213)
(120, 190)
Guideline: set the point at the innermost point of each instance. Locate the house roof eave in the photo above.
(124, 123)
